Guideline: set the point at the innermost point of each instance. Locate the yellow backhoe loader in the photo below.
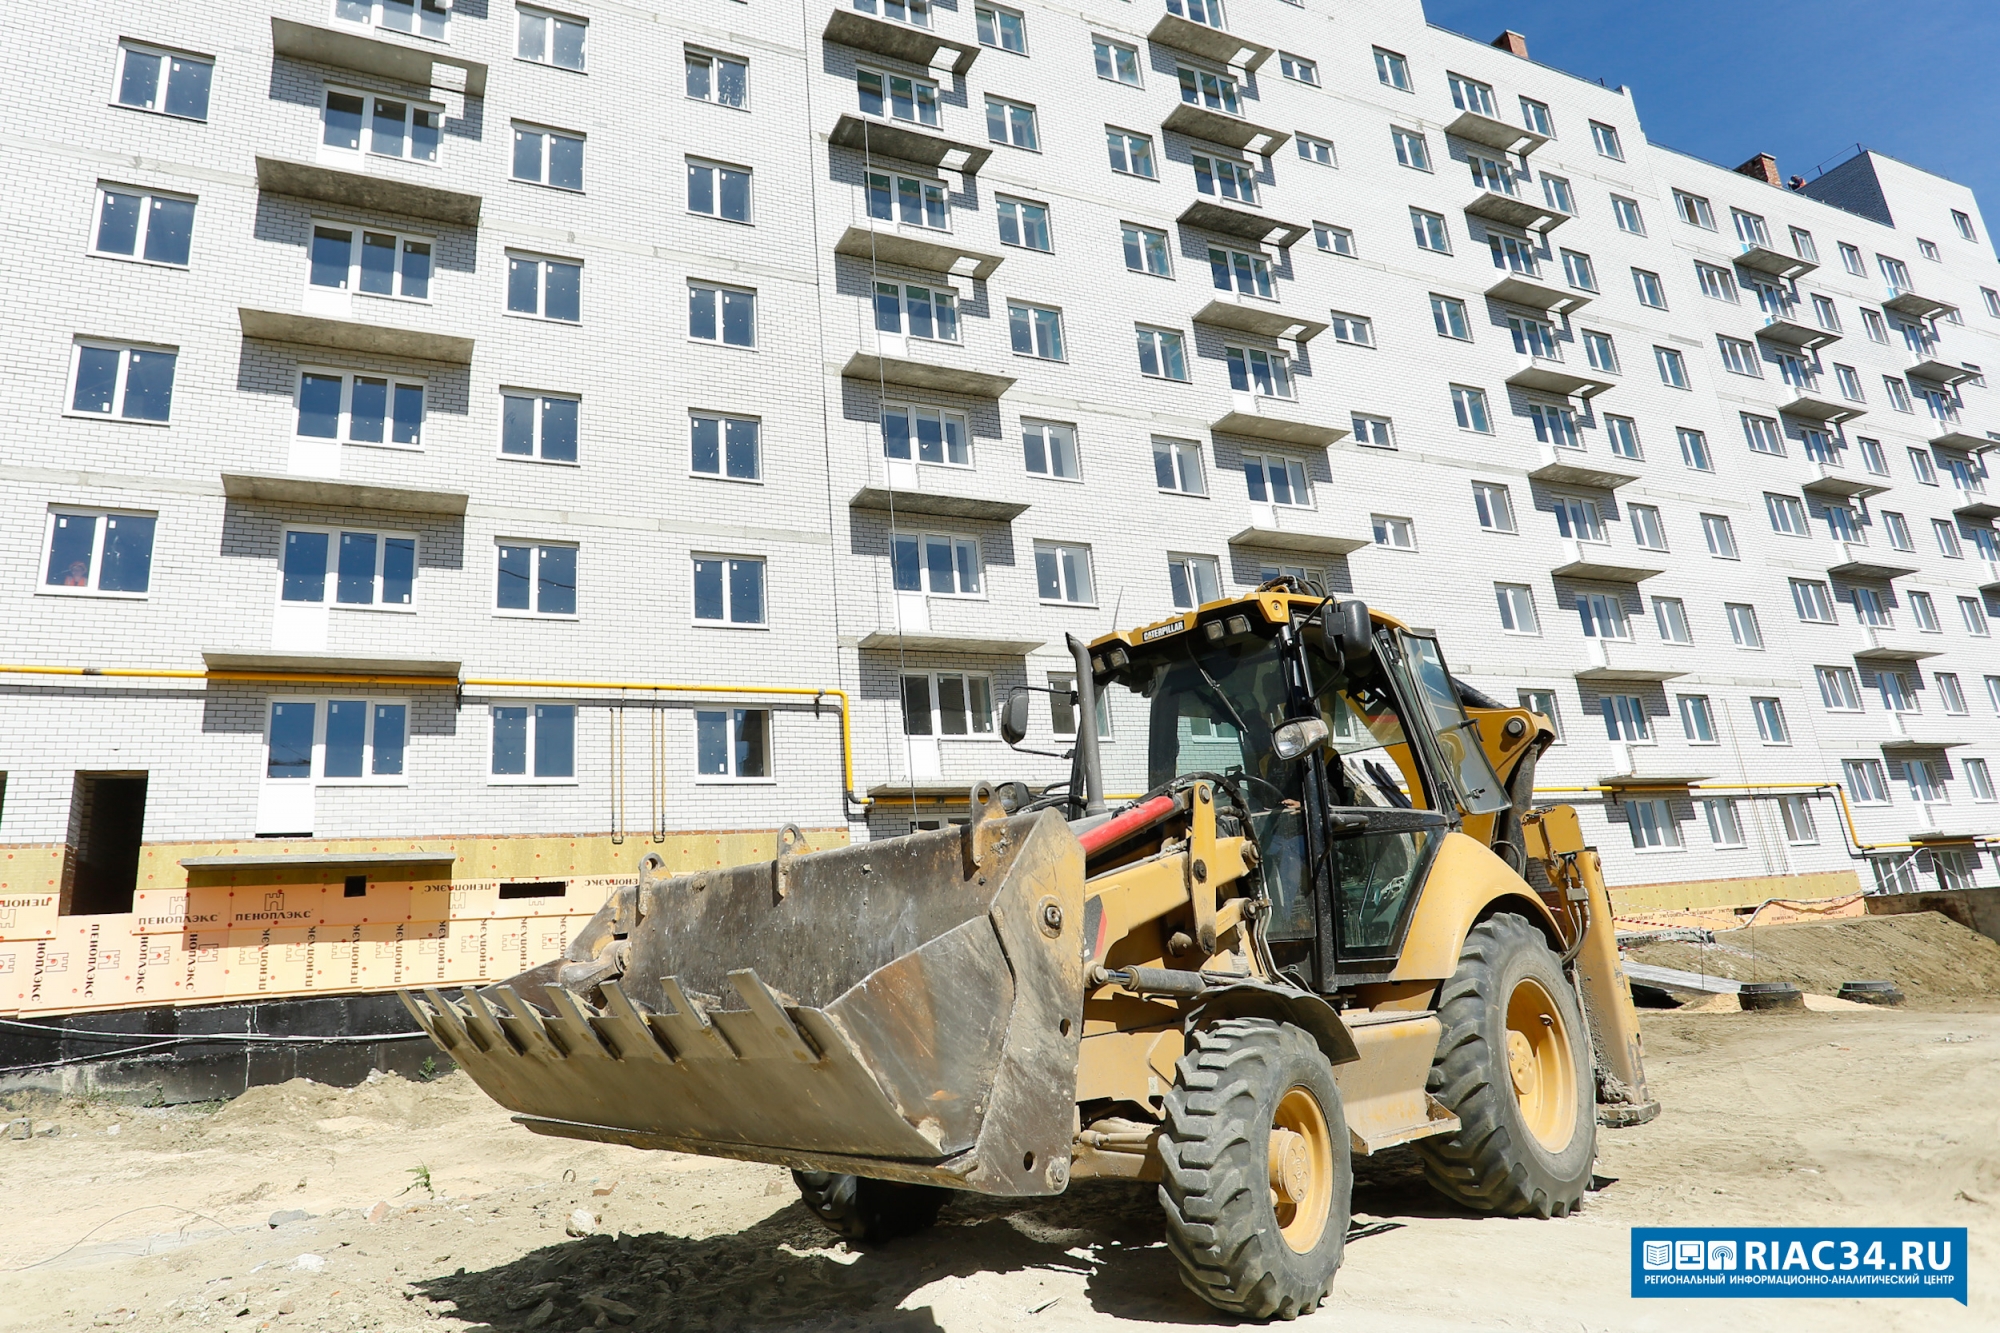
(1333, 924)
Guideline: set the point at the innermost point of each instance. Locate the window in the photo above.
(1237, 270)
(1837, 689)
(1605, 139)
(1993, 691)
(1062, 707)
(1356, 329)
(947, 703)
(1062, 573)
(548, 157)
(1626, 212)
(1199, 11)
(1162, 353)
(939, 564)
(1517, 608)
(1542, 703)
(1694, 450)
(725, 446)
(1716, 283)
(1624, 717)
(1795, 371)
(1623, 433)
(1535, 115)
(1647, 533)
(1812, 601)
(1872, 456)
(360, 409)
(1992, 299)
(1411, 150)
(1841, 521)
(1035, 330)
(1515, 253)
(1651, 293)
(1721, 537)
(391, 127)
(533, 580)
(914, 201)
(1868, 607)
(1850, 383)
(1271, 479)
(1448, 313)
(1894, 272)
(1802, 244)
(1922, 468)
(1762, 434)
(1333, 240)
(1050, 449)
(112, 379)
(169, 82)
(1471, 95)
(1926, 779)
(1373, 432)
(899, 96)
(1116, 61)
(1195, 579)
(1217, 92)
(1739, 357)
(1788, 516)
(336, 740)
(142, 224)
(1924, 611)
(1012, 123)
(735, 743)
(726, 315)
(1750, 228)
(375, 263)
(1929, 250)
(1315, 150)
(1850, 259)
(98, 552)
(724, 192)
(1865, 783)
(1743, 630)
(1027, 225)
(1979, 779)
(1468, 406)
(1298, 68)
(729, 589)
(1494, 504)
(1694, 210)
(1824, 312)
(1392, 69)
(1951, 693)
(1602, 354)
(1555, 425)
(548, 288)
(1697, 723)
(1947, 539)
(1254, 370)
(1580, 272)
(935, 436)
(1602, 616)
(1877, 329)
(1430, 231)
(1725, 829)
(1770, 715)
(376, 569)
(1491, 174)
(1002, 28)
(725, 81)
(1131, 153)
(1177, 467)
(1397, 534)
(545, 731)
(1670, 616)
(1224, 177)
(545, 38)
(1963, 221)
(1796, 812)
(1578, 519)
(1973, 613)
(1898, 529)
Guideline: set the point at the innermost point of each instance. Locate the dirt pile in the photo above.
(1938, 963)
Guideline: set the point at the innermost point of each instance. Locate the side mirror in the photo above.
(1346, 633)
(1297, 737)
(1014, 717)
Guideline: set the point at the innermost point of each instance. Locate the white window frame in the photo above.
(913, 415)
(127, 48)
(329, 587)
(713, 63)
(1298, 69)
(1787, 515)
(1316, 150)
(1625, 719)
(1431, 231)
(1392, 70)
(1105, 52)
(1725, 824)
(716, 170)
(1719, 533)
(1225, 177)
(1394, 532)
(1652, 292)
(141, 236)
(356, 249)
(533, 610)
(1873, 785)
(1155, 343)
(1951, 693)
(1028, 314)
(1450, 317)
(100, 520)
(543, 264)
(935, 716)
(536, 441)
(322, 715)
(1493, 503)
(1697, 719)
(1355, 330)
(344, 430)
(1537, 117)
(1972, 611)
(366, 145)
(1601, 615)
(1770, 715)
(121, 384)
(723, 420)
(1277, 364)
(937, 298)
(544, 154)
(1057, 442)
(730, 561)
(1469, 409)
(1923, 610)
(531, 744)
(1373, 431)
(960, 547)
(1179, 467)
(1670, 619)
(720, 290)
(1069, 559)
(1744, 630)
(927, 189)
(1604, 138)
(1014, 114)
(1258, 469)
(887, 79)
(732, 721)
(1015, 211)
(1579, 518)
(1185, 579)
(1469, 94)
(987, 21)
(1149, 244)
(1132, 149)
(1648, 532)
(1412, 149)
(1694, 210)
(1813, 601)
(551, 20)
(1517, 609)
(1334, 240)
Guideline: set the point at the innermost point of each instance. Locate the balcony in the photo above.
(915, 247)
(424, 66)
(1482, 129)
(899, 41)
(408, 671)
(1574, 467)
(917, 363)
(1279, 419)
(1954, 438)
(1786, 329)
(913, 489)
(1513, 210)
(1198, 39)
(1927, 367)
(1251, 314)
(1198, 122)
(1594, 560)
(1809, 405)
(1763, 259)
(327, 492)
(1914, 731)
(352, 335)
(1829, 479)
(1641, 767)
(945, 641)
(1256, 228)
(1988, 574)
(1975, 505)
(1913, 305)
(1853, 560)
(1610, 660)
(1529, 290)
(1549, 375)
(908, 143)
(361, 189)
(1881, 644)
(1285, 528)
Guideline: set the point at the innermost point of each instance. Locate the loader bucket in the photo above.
(908, 1009)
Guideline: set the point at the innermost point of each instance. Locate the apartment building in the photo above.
(551, 435)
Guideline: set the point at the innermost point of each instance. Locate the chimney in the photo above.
(1513, 43)
(1764, 167)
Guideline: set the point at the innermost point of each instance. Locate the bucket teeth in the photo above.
(571, 1026)
(688, 1030)
(626, 1028)
(771, 1016)
(529, 1024)
(447, 1024)
(485, 1026)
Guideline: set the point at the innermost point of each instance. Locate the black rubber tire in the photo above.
(859, 1208)
(1222, 1225)
(1494, 1163)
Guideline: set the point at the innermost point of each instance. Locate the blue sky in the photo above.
(1802, 79)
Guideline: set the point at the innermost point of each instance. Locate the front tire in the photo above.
(861, 1209)
(1513, 1063)
(1258, 1186)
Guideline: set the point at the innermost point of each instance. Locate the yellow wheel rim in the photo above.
(1301, 1169)
(1540, 1066)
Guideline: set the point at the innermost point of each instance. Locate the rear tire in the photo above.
(1258, 1185)
(863, 1209)
(1513, 1063)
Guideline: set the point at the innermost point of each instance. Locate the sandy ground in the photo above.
(158, 1219)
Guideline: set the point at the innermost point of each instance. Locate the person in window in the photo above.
(78, 575)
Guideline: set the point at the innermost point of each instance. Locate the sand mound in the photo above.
(1935, 960)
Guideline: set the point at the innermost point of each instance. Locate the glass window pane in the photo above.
(916, 705)
(187, 88)
(139, 85)
(735, 195)
(399, 570)
(711, 743)
(169, 231)
(708, 590)
(732, 83)
(740, 439)
(698, 80)
(354, 584)
(555, 740)
(378, 263)
(305, 566)
(565, 162)
(517, 424)
(343, 121)
(524, 286)
(905, 566)
(510, 741)
(346, 737)
(706, 451)
(739, 315)
(96, 379)
(701, 188)
(391, 731)
(565, 292)
(527, 155)
(370, 407)
(951, 705)
(149, 386)
(118, 223)
(746, 592)
(408, 424)
(941, 565)
(387, 127)
(569, 44)
(555, 581)
(559, 429)
(531, 37)
(128, 553)
(291, 746)
(70, 548)
(753, 743)
(701, 313)
(516, 562)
